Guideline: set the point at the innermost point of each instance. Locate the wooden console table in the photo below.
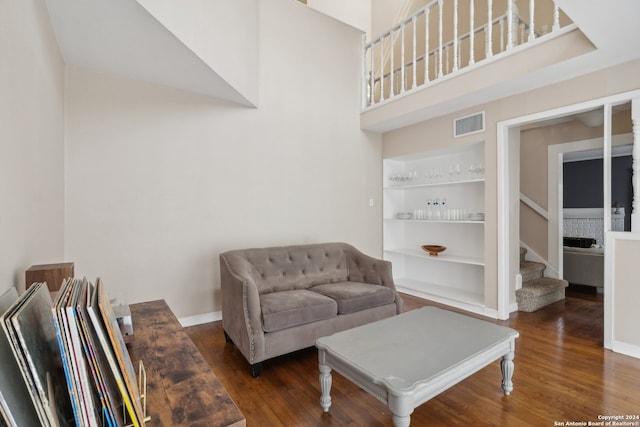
(182, 390)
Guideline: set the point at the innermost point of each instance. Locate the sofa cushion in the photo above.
(356, 296)
(293, 267)
(285, 309)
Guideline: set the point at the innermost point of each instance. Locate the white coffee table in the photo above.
(407, 359)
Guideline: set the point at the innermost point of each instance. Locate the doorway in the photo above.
(508, 147)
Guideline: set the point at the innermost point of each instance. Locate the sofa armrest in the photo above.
(366, 269)
(241, 313)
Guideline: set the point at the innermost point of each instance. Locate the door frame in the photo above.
(508, 192)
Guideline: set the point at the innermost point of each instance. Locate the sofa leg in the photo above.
(255, 370)
(227, 338)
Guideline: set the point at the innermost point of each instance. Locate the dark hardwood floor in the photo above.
(562, 374)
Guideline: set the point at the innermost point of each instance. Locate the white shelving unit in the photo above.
(456, 276)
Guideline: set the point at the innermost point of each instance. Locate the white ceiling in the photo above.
(121, 37)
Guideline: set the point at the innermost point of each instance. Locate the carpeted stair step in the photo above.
(539, 293)
(530, 270)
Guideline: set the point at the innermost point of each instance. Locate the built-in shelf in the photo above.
(434, 184)
(435, 221)
(441, 257)
(455, 277)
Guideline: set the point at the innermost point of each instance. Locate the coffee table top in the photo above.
(414, 347)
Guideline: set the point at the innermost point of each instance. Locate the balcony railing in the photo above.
(443, 38)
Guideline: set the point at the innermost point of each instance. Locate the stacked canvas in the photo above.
(64, 362)
(16, 404)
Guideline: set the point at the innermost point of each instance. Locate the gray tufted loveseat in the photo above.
(281, 299)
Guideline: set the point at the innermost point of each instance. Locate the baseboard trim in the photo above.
(199, 319)
(626, 348)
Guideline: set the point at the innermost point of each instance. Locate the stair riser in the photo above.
(530, 304)
(530, 274)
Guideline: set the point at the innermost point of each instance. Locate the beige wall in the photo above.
(438, 133)
(159, 181)
(31, 141)
(626, 294)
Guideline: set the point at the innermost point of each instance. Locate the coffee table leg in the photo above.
(507, 372)
(325, 382)
(401, 421)
(401, 408)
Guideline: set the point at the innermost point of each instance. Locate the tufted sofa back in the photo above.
(292, 267)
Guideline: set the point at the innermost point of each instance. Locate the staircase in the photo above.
(537, 291)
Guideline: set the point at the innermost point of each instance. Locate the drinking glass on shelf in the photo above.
(427, 175)
(476, 169)
(439, 174)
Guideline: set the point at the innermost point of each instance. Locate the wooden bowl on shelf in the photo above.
(433, 250)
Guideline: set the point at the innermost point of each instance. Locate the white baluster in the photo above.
(365, 80)
(382, 67)
(440, 39)
(415, 63)
(556, 17)
(402, 70)
(447, 67)
(532, 26)
(502, 45)
(435, 65)
(426, 44)
(373, 73)
(489, 48)
(635, 165)
(472, 32)
(391, 68)
(510, 28)
(455, 35)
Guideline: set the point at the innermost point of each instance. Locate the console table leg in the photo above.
(325, 383)
(507, 372)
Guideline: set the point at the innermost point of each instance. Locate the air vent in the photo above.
(468, 124)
